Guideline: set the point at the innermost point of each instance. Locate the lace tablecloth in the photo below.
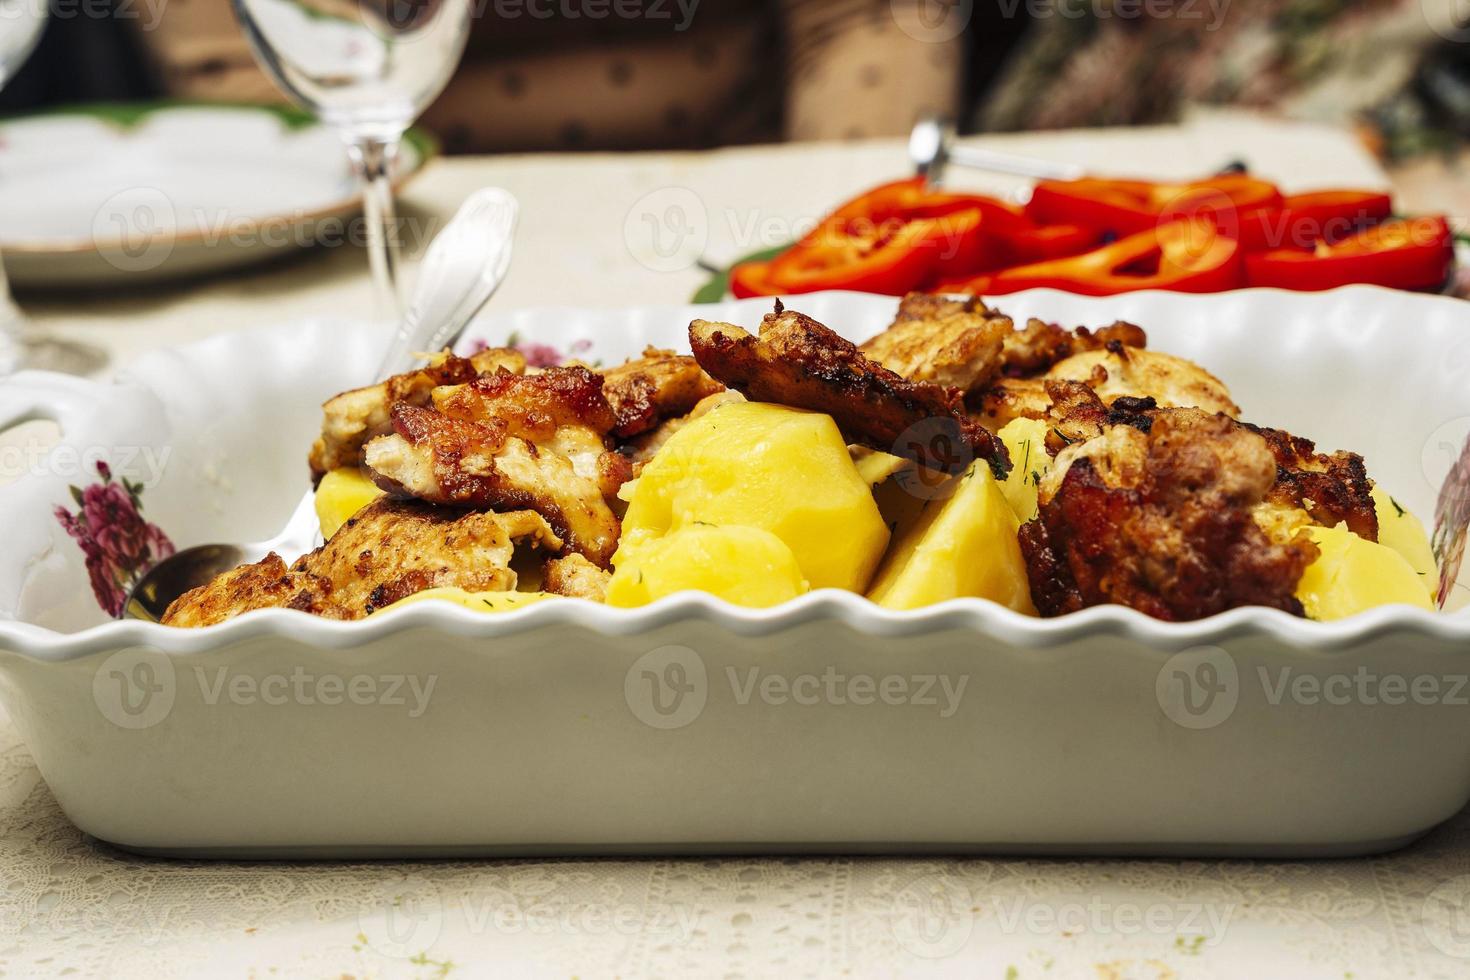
(69, 904)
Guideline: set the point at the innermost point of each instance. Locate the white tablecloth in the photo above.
(588, 237)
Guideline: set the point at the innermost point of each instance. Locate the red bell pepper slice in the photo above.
(1185, 256)
(893, 239)
(1414, 253)
(891, 258)
(1126, 207)
(1305, 219)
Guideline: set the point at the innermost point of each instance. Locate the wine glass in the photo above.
(367, 68)
(21, 22)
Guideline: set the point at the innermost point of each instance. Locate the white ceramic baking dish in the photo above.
(824, 725)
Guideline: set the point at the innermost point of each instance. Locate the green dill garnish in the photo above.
(1058, 433)
(1396, 506)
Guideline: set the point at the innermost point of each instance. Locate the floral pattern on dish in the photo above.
(539, 355)
(118, 544)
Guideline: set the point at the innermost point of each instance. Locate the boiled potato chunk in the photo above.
(745, 566)
(1025, 440)
(1354, 574)
(960, 544)
(478, 601)
(341, 494)
(782, 470)
(1404, 533)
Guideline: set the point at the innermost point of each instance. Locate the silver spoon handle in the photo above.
(463, 267)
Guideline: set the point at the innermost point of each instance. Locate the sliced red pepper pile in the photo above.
(1097, 236)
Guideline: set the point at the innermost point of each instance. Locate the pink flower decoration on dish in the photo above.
(118, 545)
(539, 355)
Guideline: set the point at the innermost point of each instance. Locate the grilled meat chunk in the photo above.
(799, 362)
(267, 584)
(1160, 519)
(575, 576)
(389, 550)
(951, 343)
(351, 419)
(445, 460)
(1332, 489)
(654, 388)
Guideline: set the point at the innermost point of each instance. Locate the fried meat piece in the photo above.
(267, 584)
(654, 388)
(797, 361)
(350, 420)
(575, 576)
(1332, 489)
(1035, 348)
(951, 343)
(446, 460)
(1115, 371)
(1159, 518)
(391, 549)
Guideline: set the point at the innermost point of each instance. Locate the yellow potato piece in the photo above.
(1403, 532)
(1354, 574)
(962, 544)
(341, 494)
(783, 470)
(1025, 440)
(742, 565)
(478, 601)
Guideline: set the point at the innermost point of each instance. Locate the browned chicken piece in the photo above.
(561, 409)
(797, 361)
(1157, 515)
(1116, 371)
(654, 388)
(1035, 348)
(1332, 489)
(392, 549)
(445, 460)
(389, 550)
(267, 584)
(576, 577)
(351, 419)
(951, 343)
(934, 306)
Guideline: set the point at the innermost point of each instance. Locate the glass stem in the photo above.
(374, 158)
(13, 329)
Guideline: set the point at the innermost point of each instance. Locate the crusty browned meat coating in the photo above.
(390, 550)
(351, 419)
(1036, 347)
(1161, 520)
(797, 361)
(575, 576)
(1332, 489)
(507, 441)
(1114, 371)
(956, 344)
(654, 388)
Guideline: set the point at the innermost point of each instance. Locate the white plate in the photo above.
(144, 193)
(570, 727)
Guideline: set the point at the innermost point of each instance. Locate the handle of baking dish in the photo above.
(61, 398)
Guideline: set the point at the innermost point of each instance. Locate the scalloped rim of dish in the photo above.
(982, 616)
